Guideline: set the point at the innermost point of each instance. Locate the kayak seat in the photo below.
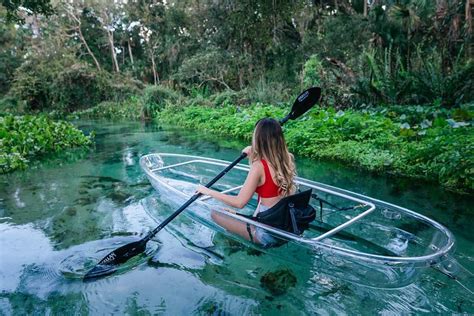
(292, 213)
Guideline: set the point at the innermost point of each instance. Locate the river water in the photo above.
(70, 209)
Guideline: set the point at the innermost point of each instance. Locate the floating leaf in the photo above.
(455, 124)
(426, 124)
(339, 113)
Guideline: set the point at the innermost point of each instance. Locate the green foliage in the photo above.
(268, 92)
(332, 76)
(155, 98)
(387, 80)
(10, 105)
(207, 68)
(29, 6)
(312, 70)
(12, 42)
(66, 84)
(227, 97)
(24, 137)
(131, 108)
(432, 146)
(143, 106)
(402, 52)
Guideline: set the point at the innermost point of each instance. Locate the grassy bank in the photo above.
(26, 137)
(415, 142)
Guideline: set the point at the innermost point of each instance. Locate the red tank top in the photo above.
(269, 188)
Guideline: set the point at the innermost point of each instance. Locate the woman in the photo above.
(271, 176)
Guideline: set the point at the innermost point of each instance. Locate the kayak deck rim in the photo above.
(317, 242)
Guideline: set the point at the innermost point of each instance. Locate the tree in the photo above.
(108, 19)
(17, 9)
(74, 20)
(13, 47)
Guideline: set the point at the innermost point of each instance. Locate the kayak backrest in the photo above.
(292, 213)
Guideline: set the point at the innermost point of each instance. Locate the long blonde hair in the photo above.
(268, 143)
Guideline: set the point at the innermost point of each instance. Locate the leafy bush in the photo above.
(11, 105)
(23, 137)
(385, 79)
(225, 97)
(131, 108)
(155, 98)
(267, 92)
(312, 72)
(207, 68)
(66, 84)
(333, 76)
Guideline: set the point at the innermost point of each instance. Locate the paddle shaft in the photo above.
(303, 103)
(151, 234)
(193, 198)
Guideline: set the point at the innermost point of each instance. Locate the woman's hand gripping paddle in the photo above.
(108, 265)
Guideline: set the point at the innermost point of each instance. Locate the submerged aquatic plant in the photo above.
(278, 282)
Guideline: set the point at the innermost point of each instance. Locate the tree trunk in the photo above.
(156, 79)
(83, 40)
(470, 44)
(130, 54)
(365, 8)
(274, 31)
(469, 4)
(241, 78)
(110, 36)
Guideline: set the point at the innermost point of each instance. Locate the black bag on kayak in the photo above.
(292, 213)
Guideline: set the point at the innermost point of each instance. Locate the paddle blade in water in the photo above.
(100, 271)
(120, 255)
(305, 101)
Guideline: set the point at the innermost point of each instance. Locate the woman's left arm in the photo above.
(245, 194)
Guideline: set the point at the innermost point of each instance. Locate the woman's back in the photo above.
(268, 191)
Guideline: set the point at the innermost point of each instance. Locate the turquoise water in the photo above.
(66, 212)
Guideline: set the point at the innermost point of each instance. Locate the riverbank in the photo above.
(412, 142)
(421, 142)
(27, 137)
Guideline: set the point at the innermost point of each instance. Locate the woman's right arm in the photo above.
(245, 194)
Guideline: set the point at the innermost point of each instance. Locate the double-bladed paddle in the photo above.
(108, 265)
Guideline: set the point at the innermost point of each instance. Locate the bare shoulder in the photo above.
(257, 167)
(257, 164)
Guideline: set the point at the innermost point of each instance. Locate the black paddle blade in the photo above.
(305, 101)
(109, 263)
(99, 271)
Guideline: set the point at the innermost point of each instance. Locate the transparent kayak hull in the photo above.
(362, 240)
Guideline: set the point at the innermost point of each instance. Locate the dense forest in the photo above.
(361, 53)
(408, 63)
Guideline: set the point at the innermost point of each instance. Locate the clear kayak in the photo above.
(354, 237)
